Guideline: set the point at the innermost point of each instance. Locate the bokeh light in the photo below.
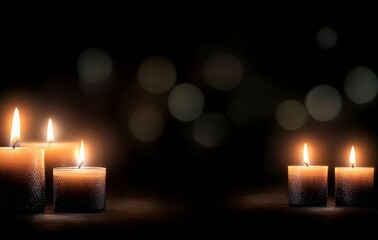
(361, 85)
(326, 37)
(210, 130)
(223, 71)
(323, 103)
(186, 102)
(157, 74)
(291, 114)
(146, 124)
(94, 65)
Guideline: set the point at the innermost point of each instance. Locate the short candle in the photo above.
(353, 185)
(307, 185)
(22, 175)
(79, 189)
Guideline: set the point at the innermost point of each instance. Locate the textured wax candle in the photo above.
(57, 154)
(354, 186)
(307, 185)
(22, 176)
(79, 189)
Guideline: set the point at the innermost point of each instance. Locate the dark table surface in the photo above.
(245, 213)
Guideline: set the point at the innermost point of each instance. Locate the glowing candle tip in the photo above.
(352, 157)
(50, 132)
(81, 154)
(306, 159)
(15, 132)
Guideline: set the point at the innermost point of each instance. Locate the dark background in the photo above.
(39, 75)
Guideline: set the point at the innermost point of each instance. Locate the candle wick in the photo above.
(307, 164)
(353, 165)
(16, 143)
(81, 164)
(49, 142)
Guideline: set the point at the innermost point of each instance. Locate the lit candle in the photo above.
(57, 154)
(22, 175)
(79, 189)
(308, 184)
(353, 185)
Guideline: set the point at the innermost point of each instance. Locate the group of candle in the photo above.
(308, 184)
(32, 172)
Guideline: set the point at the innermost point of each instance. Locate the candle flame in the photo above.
(352, 157)
(306, 159)
(15, 133)
(50, 132)
(81, 154)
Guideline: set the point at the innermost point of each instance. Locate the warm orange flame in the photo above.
(352, 157)
(15, 133)
(50, 132)
(306, 159)
(81, 154)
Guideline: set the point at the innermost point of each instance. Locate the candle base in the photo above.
(22, 180)
(78, 206)
(347, 194)
(79, 190)
(15, 199)
(355, 200)
(354, 186)
(308, 191)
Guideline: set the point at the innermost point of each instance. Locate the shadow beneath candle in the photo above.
(14, 224)
(129, 213)
(270, 206)
(245, 211)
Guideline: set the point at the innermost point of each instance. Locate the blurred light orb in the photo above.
(94, 65)
(326, 37)
(291, 115)
(323, 103)
(223, 71)
(157, 74)
(361, 85)
(186, 102)
(146, 124)
(210, 130)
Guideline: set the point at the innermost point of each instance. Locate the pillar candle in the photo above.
(79, 189)
(57, 154)
(354, 186)
(307, 185)
(22, 175)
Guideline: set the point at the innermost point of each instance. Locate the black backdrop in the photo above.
(39, 75)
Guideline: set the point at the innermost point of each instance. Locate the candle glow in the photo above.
(81, 157)
(352, 157)
(15, 132)
(306, 159)
(50, 132)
